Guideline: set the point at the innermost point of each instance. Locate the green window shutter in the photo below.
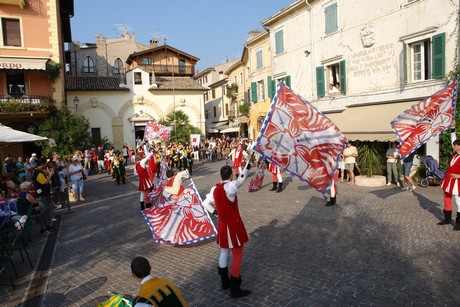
(271, 87)
(320, 85)
(404, 62)
(253, 92)
(279, 42)
(259, 59)
(343, 77)
(330, 13)
(287, 80)
(438, 55)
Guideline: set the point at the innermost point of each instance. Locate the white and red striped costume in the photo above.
(276, 172)
(237, 157)
(146, 173)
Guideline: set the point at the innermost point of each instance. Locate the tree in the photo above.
(245, 108)
(181, 126)
(70, 132)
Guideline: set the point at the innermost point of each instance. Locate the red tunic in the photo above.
(238, 160)
(230, 230)
(449, 184)
(145, 178)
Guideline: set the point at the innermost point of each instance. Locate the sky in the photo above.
(211, 30)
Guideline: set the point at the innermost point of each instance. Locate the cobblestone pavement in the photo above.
(377, 247)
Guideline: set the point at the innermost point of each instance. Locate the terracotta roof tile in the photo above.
(94, 83)
(177, 83)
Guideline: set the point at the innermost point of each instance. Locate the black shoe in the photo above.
(275, 186)
(331, 202)
(447, 218)
(235, 290)
(223, 272)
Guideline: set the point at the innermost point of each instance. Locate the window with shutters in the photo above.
(259, 62)
(333, 79)
(11, 32)
(331, 20)
(88, 65)
(425, 59)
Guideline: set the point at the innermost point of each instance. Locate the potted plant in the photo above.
(371, 166)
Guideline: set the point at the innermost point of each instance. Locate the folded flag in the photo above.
(180, 222)
(258, 178)
(300, 139)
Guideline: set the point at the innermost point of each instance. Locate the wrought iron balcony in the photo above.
(17, 104)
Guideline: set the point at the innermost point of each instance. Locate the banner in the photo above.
(415, 126)
(257, 180)
(300, 139)
(195, 140)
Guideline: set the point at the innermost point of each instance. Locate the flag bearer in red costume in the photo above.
(238, 154)
(173, 188)
(231, 234)
(277, 178)
(145, 169)
(451, 183)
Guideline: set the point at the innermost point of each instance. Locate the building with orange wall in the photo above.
(32, 60)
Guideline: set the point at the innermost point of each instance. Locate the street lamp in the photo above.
(76, 102)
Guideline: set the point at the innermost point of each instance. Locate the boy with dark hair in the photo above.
(231, 234)
(154, 291)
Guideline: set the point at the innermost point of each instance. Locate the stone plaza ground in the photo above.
(376, 247)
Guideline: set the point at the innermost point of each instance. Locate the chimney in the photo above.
(153, 42)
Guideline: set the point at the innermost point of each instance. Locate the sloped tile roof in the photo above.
(177, 83)
(94, 83)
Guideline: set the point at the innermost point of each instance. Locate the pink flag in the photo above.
(258, 178)
(431, 116)
(180, 222)
(300, 139)
(157, 132)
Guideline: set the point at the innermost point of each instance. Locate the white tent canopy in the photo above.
(9, 135)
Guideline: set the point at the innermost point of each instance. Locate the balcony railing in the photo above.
(25, 103)
(169, 70)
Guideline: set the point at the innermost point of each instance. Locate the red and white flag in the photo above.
(156, 196)
(180, 222)
(157, 132)
(300, 139)
(257, 180)
(415, 126)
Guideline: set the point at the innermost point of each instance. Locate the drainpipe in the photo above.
(312, 51)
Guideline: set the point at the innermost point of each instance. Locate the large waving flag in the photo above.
(180, 222)
(300, 139)
(431, 116)
(257, 180)
(157, 132)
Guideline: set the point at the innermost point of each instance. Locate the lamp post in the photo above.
(76, 102)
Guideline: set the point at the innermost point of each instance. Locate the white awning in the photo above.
(369, 122)
(23, 63)
(230, 130)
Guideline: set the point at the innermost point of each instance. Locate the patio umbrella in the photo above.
(9, 135)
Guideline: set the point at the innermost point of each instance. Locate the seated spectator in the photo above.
(26, 200)
(154, 291)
